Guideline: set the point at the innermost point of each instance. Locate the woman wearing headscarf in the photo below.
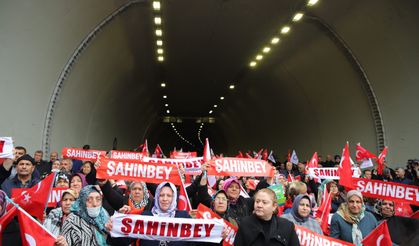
(136, 202)
(351, 222)
(86, 223)
(165, 204)
(57, 216)
(239, 206)
(300, 214)
(89, 170)
(78, 181)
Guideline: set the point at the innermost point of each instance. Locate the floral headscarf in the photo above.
(146, 196)
(79, 208)
(156, 211)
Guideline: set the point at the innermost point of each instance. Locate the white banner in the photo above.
(192, 165)
(6, 147)
(167, 229)
(330, 172)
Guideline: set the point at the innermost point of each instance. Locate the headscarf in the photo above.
(3, 202)
(146, 196)
(82, 177)
(296, 204)
(79, 208)
(227, 184)
(353, 219)
(378, 207)
(61, 175)
(156, 211)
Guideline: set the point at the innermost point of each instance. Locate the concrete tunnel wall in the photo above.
(306, 96)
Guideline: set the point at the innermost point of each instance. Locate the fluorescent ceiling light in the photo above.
(159, 42)
(159, 32)
(168, 111)
(167, 105)
(157, 20)
(252, 63)
(297, 16)
(221, 98)
(210, 112)
(274, 40)
(160, 58)
(156, 5)
(164, 96)
(160, 51)
(163, 84)
(266, 49)
(231, 87)
(285, 29)
(215, 105)
(312, 2)
(259, 57)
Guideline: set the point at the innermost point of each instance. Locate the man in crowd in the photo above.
(41, 166)
(400, 177)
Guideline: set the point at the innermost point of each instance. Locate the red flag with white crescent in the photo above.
(32, 232)
(380, 161)
(380, 236)
(344, 169)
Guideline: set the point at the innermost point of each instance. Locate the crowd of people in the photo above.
(83, 216)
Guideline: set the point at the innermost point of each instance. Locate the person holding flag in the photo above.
(352, 223)
(300, 214)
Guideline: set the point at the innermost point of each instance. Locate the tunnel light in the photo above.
(215, 105)
(259, 57)
(163, 84)
(312, 2)
(274, 40)
(285, 29)
(159, 32)
(157, 20)
(252, 64)
(160, 51)
(231, 87)
(210, 112)
(164, 96)
(159, 42)
(156, 5)
(297, 17)
(266, 50)
(221, 98)
(167, 105)
(168, 111)
(160, 58)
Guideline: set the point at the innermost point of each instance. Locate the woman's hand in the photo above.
(225, 231)
(125, 209)
(109, 225)
(60, 241)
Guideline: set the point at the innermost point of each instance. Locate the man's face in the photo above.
(66, 165)
(24, 168)
(19, 153)
(329, 158)
(400, 173)
(301, 167)
(53, 156)
(368, 175)
(37, 156)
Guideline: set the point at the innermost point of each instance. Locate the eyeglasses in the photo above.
(222, 199)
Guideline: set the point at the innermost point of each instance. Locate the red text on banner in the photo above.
(167, 229)
(81, 154)
(137, 170)
(388, 190)
(240, 167)
(310, 238)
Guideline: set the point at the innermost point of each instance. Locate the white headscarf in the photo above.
(156, 210)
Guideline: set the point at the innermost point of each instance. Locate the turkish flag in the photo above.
(158, 152)
(344, 169)
(183, 201)
(380, 236)
(6, 218)
(207, 151)
(145, 149)
(32, 232)
(415, 215)
(363, 154)
(35, 199)
(324, 210)
(240, 155)
(402, 209)
(6, 148)
(265, 155)
(380, 161)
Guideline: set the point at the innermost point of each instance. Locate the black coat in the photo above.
(282, 232)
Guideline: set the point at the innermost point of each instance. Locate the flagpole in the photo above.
(49, 192)
(183, 186)
(30, 216)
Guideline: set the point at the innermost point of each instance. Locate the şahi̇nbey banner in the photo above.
(241, 167)
(166, 228)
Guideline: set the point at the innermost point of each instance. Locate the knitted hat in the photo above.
(26, 157)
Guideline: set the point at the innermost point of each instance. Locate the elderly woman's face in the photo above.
(387, 208)
(220, 203)
(94, 200)
(66, 203)
(355, 204)
(165, 198)
(233, 191)
(304, 208)
(137, 192)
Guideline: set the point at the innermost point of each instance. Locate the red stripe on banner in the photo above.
(1, 146)
(243, 167)
(388, 190)
(137, 170)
